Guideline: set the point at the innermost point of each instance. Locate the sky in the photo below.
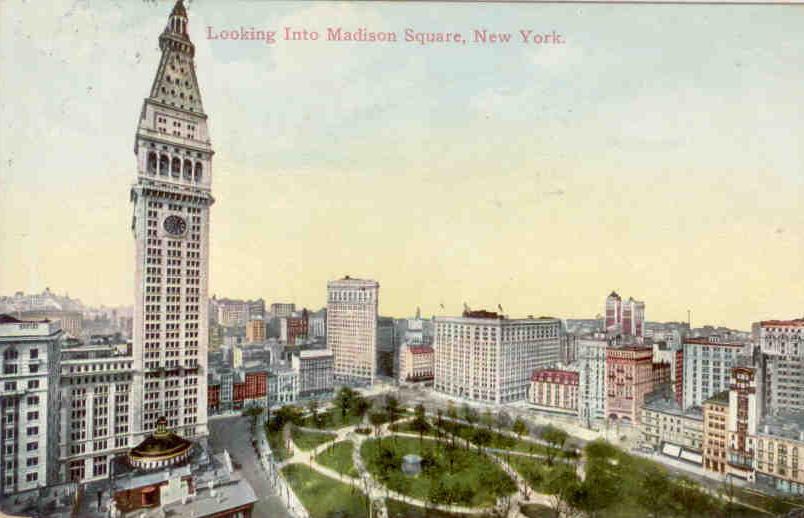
(657, 152)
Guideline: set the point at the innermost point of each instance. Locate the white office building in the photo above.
(352, 328)
(486, 357)
(29, 399)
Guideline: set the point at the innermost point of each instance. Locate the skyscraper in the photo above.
(171, 197)
(352, 328)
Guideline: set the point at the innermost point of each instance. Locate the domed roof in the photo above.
(161, 445)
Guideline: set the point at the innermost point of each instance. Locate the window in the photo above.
(33, 384)
(33, 430)
(34, 353)
(32, 446)
(9, 368)
(10, 385)
(33, 400)
(33, 368)
(31, 477)
(33, 416)
(32, 461)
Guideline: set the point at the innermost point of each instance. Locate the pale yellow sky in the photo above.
(658, 153)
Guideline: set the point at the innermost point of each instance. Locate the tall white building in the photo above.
(29, 399)
(352, 328)
(782, 344)
(483, 356)
(95, 413)
(707, 367)
(171, 197)
(591, 359)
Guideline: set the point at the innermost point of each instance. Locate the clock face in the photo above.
(174, 225)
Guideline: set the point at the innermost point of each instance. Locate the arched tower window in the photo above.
(175, 168)
(164, 164)
(188, 170)
(10, 354)
(198, 172)
(151, 167)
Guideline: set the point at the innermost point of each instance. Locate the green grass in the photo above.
(537, 511)
(498, 441)
(339, 458)
(471, 479)
(322, 496)
(277, 445)
(397, 509)
(332, 420)
(308, 440)
(535, 471)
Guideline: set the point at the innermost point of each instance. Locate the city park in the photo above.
(361, 458)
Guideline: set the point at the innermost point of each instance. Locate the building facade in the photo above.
(591, 354)
(172, 199)
(315, 370)
(707, 367)
(282, 309)
(416, 364)
(554, 390)
(29, 402)
(483, 356)
(255, 330)
(629, 378)
(283, 386)
(96, 410)
(667, 428)
(716, 410)
(352, 328)
(782, 344)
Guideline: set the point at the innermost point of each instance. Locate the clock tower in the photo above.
(171, 198)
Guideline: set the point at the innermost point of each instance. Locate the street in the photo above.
(233, 434)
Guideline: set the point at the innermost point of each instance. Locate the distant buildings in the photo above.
(386, 347)
(235, 389)
(317, 324)
(416, 364)
(626, 318)
(283, 385)
(255, 330)
(483, 356)
(282, 309)
(352, 328)
(555, 390)
(29, 403)
(294, 327)
(716, 410)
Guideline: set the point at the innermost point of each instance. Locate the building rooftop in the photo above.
(790, 426)
(719, 398)
(668, 405)
(420, 349)
(797, 322)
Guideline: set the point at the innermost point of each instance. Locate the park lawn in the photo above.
(306, 440)
(535, 471)
(397, 509)
(407, 427)
(498, 441)
(474, 480)
(322, 496)
(332, 420)
(277, 445)
(339, 457)
(537, 511)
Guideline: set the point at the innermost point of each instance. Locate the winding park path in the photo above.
(378, 492)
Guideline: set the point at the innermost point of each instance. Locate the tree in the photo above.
(520, 428)
(564, 489)
(503, 420)
(653, 492)
(728, 495)
(451, 412)
(376, 419)
(420, 421)
(469, 414)
(312, 407)
(392, 408)
(482, 437)
(360, 407)
(555, 439)
(343, 400)
(689, 500)
(439, 423)
(487, 419)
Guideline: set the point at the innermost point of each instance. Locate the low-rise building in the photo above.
(416, 364)
(255, 330)
(670, 430)
(283, 385)
(554, 390)
(315, 368)
(779, 446)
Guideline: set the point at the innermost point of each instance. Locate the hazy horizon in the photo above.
(657, 153)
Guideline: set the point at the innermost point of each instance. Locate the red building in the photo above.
(629, 377)
(554, 390)
(678, 387)
(213, 397)
(253, 388)
(296, 327)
